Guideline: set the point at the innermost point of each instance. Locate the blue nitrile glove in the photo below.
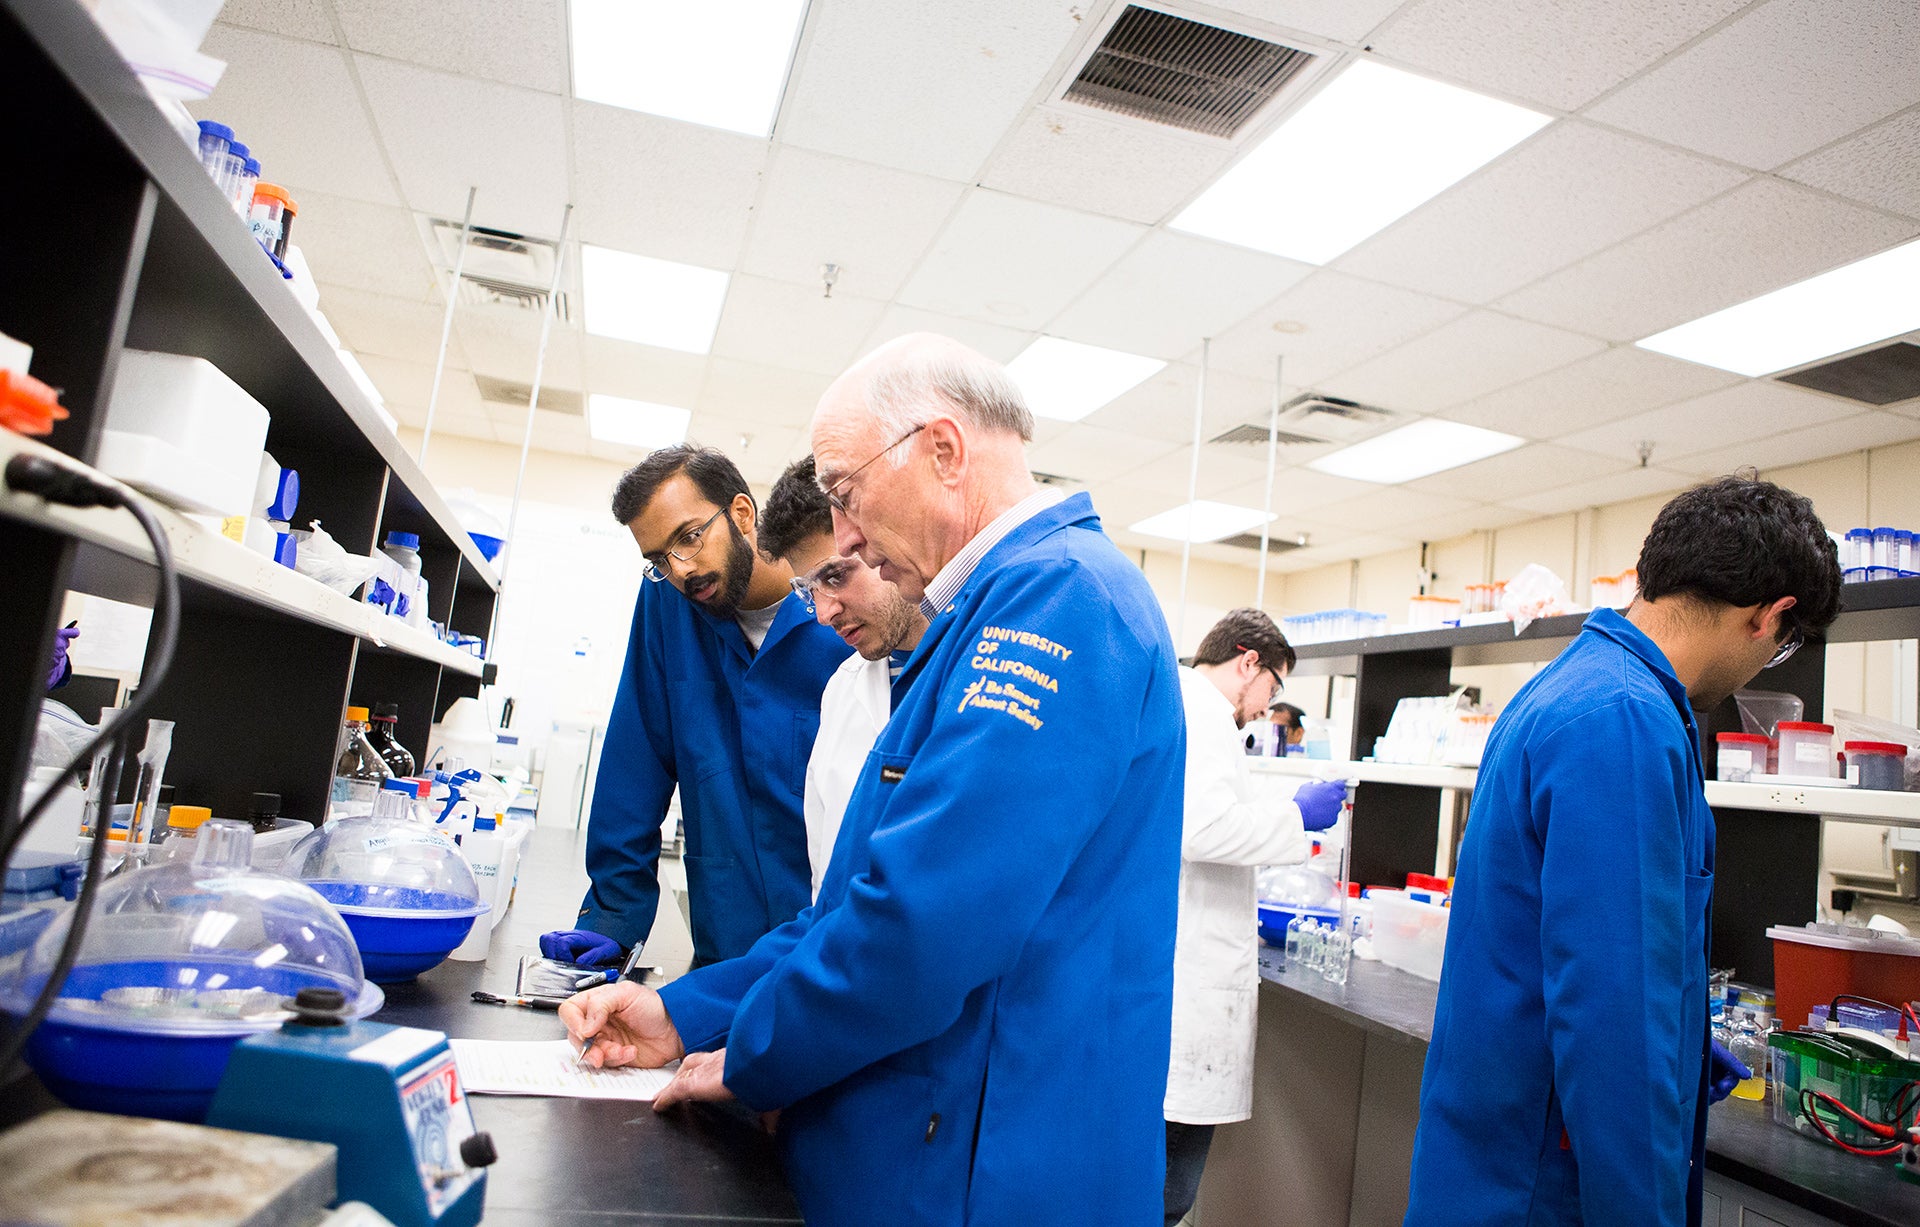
(581, 947)
(1320, 802)
(62, 667)
(1724, 1072)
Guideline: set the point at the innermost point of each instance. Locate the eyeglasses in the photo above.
(840, 504)
(1788, 647)
(1279, 684)
(830, 575)
(683, 548)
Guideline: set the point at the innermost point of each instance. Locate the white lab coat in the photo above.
(1230, 828)
(853, 709)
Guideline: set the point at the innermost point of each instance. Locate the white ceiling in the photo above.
(1702, 152)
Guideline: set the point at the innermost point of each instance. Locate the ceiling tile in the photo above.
(1016, 262)
(306, 19)
(873, 222)
(1390, 507)
(1221, 467)
(1750, 410)
(1090, 454)
(1853, 434)
(518, 42)
(1327, 323)
(1132, 170)
(1758, 237)
(1162, 407)
(446, 133)
(763, 452)
(643, 372)
(1344, 20)
(408, 385)
(1614, 488)
(996, 341)
(1172, 290)
(325, 141)
(768, 395)
(1473, 355)
(1524, 470)
(362, 246)
(463, 425)
(660, 188)
(1880, 166)
(1782, 80)
(1560, 54)
(1567, 193)
(1298, 492)
(505, 343)
(777, 323)
(1617, 383)
(923, 87)
(1477, 519)
(390, 327)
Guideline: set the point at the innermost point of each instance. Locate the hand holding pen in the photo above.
(621, 1024)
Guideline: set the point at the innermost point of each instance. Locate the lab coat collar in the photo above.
(1612, 624)
(793, 612)
(1074, 510)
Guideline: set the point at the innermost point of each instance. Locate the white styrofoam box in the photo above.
(182, 431)
(15, 356)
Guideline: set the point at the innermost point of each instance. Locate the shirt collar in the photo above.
(952, 577)
(1612, 624)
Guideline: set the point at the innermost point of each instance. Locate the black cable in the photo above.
(57, 483)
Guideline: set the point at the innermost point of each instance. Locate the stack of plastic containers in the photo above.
(1868, 554)
(1333, 625)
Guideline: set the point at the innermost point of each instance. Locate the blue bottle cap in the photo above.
(1857, 533)
(253, 168)
(286, 550)
(209, 128)
(236, 149)
(406, 541)
(399, 785)
(286, 496)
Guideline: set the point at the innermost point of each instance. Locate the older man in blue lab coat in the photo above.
(1570, 1069)
(971, 1024)
(721, 696)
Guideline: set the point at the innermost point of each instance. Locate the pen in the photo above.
(593, 981)
(633, 960)
(531, 1003)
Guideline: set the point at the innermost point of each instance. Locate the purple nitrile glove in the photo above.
(581, 947)
(1724, 1072)
(62, 667)
(1320, 802)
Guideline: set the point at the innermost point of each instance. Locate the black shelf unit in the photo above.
(127, 244)
(1767, 865)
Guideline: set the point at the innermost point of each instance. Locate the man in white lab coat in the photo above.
(1226, 832)
(873, 618)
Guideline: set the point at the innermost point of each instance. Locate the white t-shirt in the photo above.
(755, 623)
(854, 707)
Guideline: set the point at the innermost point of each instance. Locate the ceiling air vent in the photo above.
(1878, 377)
(1311, 418)
(1256, 432)
(502, 269)
(511, 392)
(1183, 73)
(1276, 544)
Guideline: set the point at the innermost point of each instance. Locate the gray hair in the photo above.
(907, 394)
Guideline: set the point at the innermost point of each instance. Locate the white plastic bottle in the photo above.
(483, 846)
(404, 549)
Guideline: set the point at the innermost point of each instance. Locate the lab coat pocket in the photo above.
(1693, 983)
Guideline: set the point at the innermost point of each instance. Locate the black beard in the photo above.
(734, 576)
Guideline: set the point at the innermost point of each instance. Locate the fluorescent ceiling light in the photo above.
(1427, 446)
(1066, 380)
(1857, 304)
(1201, 521)
(655, 302)
(1366, 150)
(636, 423)
(721, 63)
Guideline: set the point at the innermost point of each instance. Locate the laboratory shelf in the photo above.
(1873, 805)
(1417, 775)
(213, 569)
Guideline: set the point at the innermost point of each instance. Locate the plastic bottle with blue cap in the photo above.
(409, 592)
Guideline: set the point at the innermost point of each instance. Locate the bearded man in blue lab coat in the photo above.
(971, 1024)
(1571, 1068)
(721, 696)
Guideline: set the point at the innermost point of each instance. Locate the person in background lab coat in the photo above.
(1225, 833)
(1570, 1069)
(720, 696)
(868, 613)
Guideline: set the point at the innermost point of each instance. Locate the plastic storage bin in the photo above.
(1876, 764)
(1806, 748)
(1739, 756)
(180, 962)
(1812, 966)
(1409, 934)
(182, 431)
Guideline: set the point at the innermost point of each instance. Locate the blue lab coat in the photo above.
(733, 728)
(1566, 1081)
(971, 1024)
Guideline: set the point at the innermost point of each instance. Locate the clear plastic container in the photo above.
(1806, 748)
(406, 891)
(1876, 764)
(215, 141)
(1739, 756)
(1886, 547)
(179, 962)
(1409, 934)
